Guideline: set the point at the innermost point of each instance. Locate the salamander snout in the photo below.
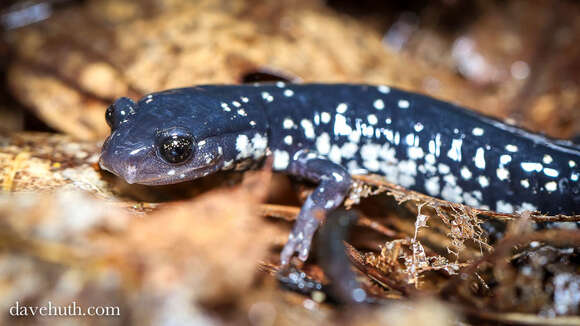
(127, 169)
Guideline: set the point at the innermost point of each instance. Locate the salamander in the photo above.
(326, 133)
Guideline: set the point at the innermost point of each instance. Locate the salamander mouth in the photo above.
(133, 175)
(166, 180)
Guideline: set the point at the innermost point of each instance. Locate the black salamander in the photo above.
(327, 132)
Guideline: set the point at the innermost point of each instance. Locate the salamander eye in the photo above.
(175, 145)
(109, 115)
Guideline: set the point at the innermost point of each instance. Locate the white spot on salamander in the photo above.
(477, 131)
(551, 172)
(259, 145)
(288, 92)
(335, 155)
(504, 207)
(255, 148)
(415, 153)
(418, 127)
(407, 169)
(323, 143)
(281, 160)
(451, 191)
(341, 108)
(135, 151)
(288, 140)
(370, 154)
(454, 152)
(511, 148)
(430, 159)
(379, 104)
(354, 136)
(287, 123)
(432, 186)
(525, 183)
(341, 128)
(531, 166)
(525, 206)
(470, 199)
(329, 204)
(337, 177)
(450, 179)
(372, 119)
(228, 164)
(410, 139)
(443, 168)
(483, 181)
(551, 186)
(479, 158)
(403, 104)
(432, 146)
(547, 159)
(505, 159)
(308, 128)
(348, 150)
(384, 89)
(502, 173)
(465, 173)
(267, 97)
(242, 146)
(316, 119)
(389, 135)
(325, 117)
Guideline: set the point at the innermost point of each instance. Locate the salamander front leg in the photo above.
(334, 183)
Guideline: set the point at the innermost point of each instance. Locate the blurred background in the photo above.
(63, 61)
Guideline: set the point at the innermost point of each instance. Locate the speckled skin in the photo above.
(325, 133)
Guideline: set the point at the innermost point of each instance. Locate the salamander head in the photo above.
(165, 138)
